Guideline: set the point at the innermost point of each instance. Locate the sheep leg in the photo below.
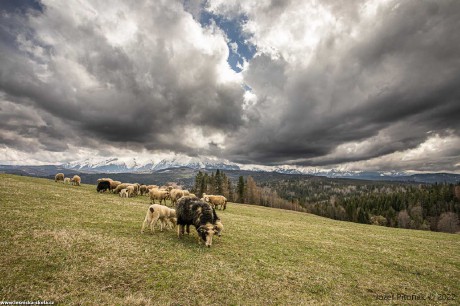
(143, 225)
(188, 229)
(154, 221)
(180, 230)
(173, 223)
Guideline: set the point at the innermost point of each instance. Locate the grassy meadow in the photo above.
(73, 246)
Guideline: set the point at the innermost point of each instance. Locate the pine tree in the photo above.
(204, 184)
(231, 191)
(240, 187)
(198, 190)
(219, 182)
(251, 190)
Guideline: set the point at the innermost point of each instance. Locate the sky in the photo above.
(354, 85)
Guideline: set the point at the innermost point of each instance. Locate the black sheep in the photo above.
(103, 186)
(193, 211)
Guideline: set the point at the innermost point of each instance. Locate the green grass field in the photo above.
(73, 246)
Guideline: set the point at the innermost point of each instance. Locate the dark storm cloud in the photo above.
(144, 92)
(374, 80)
(393, 84)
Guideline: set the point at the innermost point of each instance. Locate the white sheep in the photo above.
(123, 193)
(160, 213)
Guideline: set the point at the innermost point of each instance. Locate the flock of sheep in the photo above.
(75, 180)
(188, 209)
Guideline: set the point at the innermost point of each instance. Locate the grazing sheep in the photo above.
(143, 190)
(137, 188)
(103, 186)
(59, 177)
(131, 191)
(120, 187)
(192, 211)
(123, 193)
(160, 213)
(215, 200)
(169, 188)
(104, 179)
(67, 180)
(219, 226)
(175, 195)
(114, 184)
(159, 194)
(150, 187)
(76, 180)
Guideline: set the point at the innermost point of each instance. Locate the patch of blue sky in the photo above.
(240, 48)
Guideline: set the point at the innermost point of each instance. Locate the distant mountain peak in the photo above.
(123, 165)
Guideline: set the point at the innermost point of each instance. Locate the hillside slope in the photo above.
(73, 246)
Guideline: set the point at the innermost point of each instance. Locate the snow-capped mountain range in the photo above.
(136, 165)
(121, 165)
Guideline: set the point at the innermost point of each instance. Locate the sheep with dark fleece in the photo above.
(193, 211)
(103, 186)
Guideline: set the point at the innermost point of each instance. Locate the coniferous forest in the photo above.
(433, 207)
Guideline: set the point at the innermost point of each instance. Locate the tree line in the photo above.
(396, 204)
(245, 191)
(433, 207)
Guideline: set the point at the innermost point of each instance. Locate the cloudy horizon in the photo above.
(361, 85)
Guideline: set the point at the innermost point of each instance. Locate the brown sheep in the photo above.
(76, 180)
(137, 188)
(104, 179)
(175, 195)
(120, 187)
(159, 194)
(216, 200)
(114, 184)
(59, 177)
(149, 187)
(143, 190)
(130, 190)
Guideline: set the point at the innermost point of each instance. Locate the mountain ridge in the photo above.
(187, 174)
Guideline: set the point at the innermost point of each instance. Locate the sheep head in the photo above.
(206, 232)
